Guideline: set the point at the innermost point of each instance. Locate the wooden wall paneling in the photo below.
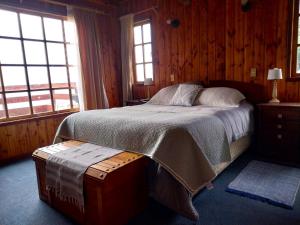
(270, 34)
(211, 39)
(249, 36)
(220, 39)
(180, 44)
(230, 34)
(188, 50)
(282, 45)
(4, 148)
(196, 40)
(173, 64)
(259, 44)
(238, 43)
(216, 40)
(20, 139)
(202, 35)
(162, 44)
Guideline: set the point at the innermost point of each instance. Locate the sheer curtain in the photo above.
(127, 56)
(93, 94)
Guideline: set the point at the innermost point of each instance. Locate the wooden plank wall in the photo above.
(22, 138)
(216, 40)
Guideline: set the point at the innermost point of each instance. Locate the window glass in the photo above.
(148, 53)
(140, 72)
(298, 61)
(41, 101)
(75, 98)
(0, 80)
(35, 69)
(28, 22)
(11, 51)
(38, 77)
(143, 52)
(35, 52)
(9, 25)
(53, 29)
(14, 78)
(137, 35)
(298, 31)
(2, 109)
(138, 54)
(56, 54)
(72, 54)
(18, 104)
(59, 77)
(149, 70)
(146, 33)
(61, 99)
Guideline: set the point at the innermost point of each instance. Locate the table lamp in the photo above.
(148, 82)
(274, 74)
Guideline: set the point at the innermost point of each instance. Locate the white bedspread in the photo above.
(184, 140)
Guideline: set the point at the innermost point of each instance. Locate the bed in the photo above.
(189, 146)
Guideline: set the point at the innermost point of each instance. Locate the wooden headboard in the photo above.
(255, 93)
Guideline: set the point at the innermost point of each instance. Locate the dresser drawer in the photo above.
(281, 145)
(281, 126)
(271, 115)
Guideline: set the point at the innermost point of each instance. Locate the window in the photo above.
(37, 65)
(143, 51)
(295, 63)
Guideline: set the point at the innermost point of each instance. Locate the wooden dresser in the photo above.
(115, 189)
(279, 132)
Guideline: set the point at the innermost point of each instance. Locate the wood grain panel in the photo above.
(20, 139)
(216, 40)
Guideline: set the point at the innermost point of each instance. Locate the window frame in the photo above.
(293, 24)
(142, 22)
(47, 65)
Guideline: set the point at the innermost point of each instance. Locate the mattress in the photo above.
(237, 148)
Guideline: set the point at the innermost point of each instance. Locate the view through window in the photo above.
(295, 72)
(143, 51)
(38, 59)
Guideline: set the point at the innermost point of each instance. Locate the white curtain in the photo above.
(78, 77)
(127, 56)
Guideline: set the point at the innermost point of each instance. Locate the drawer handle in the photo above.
(279, 116)
(279, 136)
(279, 126)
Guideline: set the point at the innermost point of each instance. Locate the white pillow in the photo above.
(164, 95)
(185, 94)
(220, 96)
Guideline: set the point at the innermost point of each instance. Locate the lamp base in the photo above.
(274, 100)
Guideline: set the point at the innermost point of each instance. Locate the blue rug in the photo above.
(272, 183)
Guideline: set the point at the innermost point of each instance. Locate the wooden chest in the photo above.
(115, 189)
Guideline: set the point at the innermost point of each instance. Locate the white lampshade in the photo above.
(148, 81)
(275, 74)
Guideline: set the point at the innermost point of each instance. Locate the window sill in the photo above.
(293, 79)
(142, 84)
(37, 117)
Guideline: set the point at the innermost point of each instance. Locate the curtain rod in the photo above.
(76, 7)
(153, 8)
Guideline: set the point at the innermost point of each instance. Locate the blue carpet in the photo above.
(272, 183)
(20, 205)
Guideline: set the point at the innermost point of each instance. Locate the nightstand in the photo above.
(279, 132)
(136, 102)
